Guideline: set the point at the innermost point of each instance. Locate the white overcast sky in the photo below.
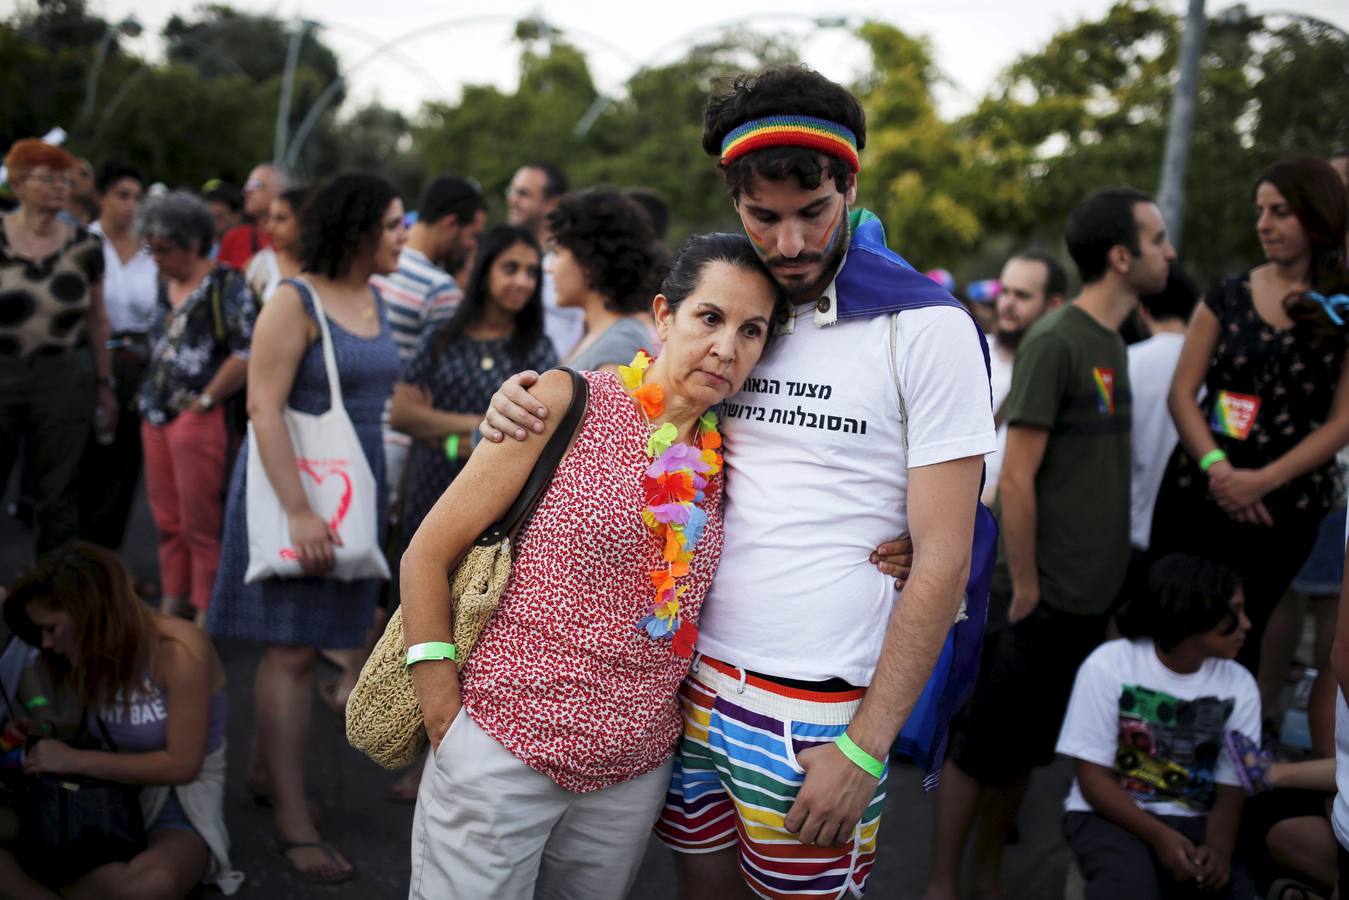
(445, 45)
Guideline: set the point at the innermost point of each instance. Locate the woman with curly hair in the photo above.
(350, 230)
(606, 262)
(1255, 472)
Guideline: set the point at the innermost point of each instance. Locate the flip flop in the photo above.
(284, 847)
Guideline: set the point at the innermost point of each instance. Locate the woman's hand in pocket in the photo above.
(438, 726)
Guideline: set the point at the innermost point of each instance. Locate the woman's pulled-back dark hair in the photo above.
(528, 321)
(1317, 196)
(612, 240)
(782, 91)
(702, 250)
(1186, 595)
(343, 215)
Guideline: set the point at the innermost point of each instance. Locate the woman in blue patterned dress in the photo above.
(350, 230)
(447, 384)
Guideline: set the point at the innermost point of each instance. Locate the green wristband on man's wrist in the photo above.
(859, 757)
(452, 447)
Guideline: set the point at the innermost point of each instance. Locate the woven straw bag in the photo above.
(384, 716)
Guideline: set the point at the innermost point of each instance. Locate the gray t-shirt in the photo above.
(616, 346)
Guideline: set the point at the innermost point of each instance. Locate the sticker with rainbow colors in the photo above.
(1234, 414)
(1105, 389)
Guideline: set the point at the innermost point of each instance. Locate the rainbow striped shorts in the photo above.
(736, 776)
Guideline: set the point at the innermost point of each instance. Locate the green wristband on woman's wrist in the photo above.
(432, 650)
(452, 447)
(859, 757)
(1211, 458)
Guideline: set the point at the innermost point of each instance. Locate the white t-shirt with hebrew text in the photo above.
(817, 477)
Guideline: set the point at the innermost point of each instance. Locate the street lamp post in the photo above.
(1176, 158)
(297, 36)
(129, 27)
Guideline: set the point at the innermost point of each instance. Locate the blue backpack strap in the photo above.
(875, 281)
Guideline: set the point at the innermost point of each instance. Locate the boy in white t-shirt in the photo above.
(1155, 805)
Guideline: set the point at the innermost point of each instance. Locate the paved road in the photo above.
(374, 833)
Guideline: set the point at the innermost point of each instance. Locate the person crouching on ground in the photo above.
(552, 755)
(1156, 803)
(154, 690)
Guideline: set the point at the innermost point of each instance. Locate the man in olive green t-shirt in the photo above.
(1063, 512)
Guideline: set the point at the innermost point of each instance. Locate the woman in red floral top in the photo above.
(553, 746)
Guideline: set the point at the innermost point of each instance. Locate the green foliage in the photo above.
(924, 182)
(1091, 109)
(1088, 109)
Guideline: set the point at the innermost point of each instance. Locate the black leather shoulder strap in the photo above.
(543, 470)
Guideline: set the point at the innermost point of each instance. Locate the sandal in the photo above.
(284, 848)
(1252, 762)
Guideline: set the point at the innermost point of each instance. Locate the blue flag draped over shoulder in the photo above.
(876, 281)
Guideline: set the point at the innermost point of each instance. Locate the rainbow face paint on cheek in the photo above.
(838, 228)
(760, 246)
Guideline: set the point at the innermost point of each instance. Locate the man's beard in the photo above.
(811, 292)
(1009, 339)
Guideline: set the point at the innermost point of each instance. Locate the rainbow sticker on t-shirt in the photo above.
(1105, 390)
(1234, 414)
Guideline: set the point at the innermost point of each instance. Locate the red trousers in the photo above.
(184, 479)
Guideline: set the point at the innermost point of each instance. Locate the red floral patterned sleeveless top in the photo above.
(562, 676)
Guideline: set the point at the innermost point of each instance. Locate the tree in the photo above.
(1090, 110)
(929, 186)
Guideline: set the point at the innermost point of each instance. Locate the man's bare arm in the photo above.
(1016, 490)
(941, 504)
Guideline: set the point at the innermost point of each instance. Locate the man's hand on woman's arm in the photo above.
(514, 410)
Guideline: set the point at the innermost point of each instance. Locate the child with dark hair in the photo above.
(1155, 804)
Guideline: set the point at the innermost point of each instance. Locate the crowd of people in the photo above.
(816, 516)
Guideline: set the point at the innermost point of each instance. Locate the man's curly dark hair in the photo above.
(341, 216)
(782, 91)
(612, 241)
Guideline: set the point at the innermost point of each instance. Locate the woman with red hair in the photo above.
(55, 368)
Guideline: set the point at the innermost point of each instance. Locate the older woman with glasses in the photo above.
(54, 364)
(198, 360)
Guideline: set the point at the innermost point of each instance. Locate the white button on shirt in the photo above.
(129, 289)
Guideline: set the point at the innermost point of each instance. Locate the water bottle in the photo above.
(104, 433)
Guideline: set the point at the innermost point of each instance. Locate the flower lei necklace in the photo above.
(673, 484)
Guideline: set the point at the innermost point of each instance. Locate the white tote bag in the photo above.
(336, 478)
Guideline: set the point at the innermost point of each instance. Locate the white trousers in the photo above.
(489, 826)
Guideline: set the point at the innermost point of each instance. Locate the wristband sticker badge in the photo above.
(1234, 414)
(1105, 390)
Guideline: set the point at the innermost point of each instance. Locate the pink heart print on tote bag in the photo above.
(336, 478)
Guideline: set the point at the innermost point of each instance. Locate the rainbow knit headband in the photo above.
(791, 131)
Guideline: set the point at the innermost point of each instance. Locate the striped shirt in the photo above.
(420, 292)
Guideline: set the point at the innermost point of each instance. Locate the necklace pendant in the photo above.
(487, 363)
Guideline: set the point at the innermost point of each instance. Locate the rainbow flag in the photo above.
(1105, 389)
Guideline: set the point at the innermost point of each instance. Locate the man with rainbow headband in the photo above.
(861, 424)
